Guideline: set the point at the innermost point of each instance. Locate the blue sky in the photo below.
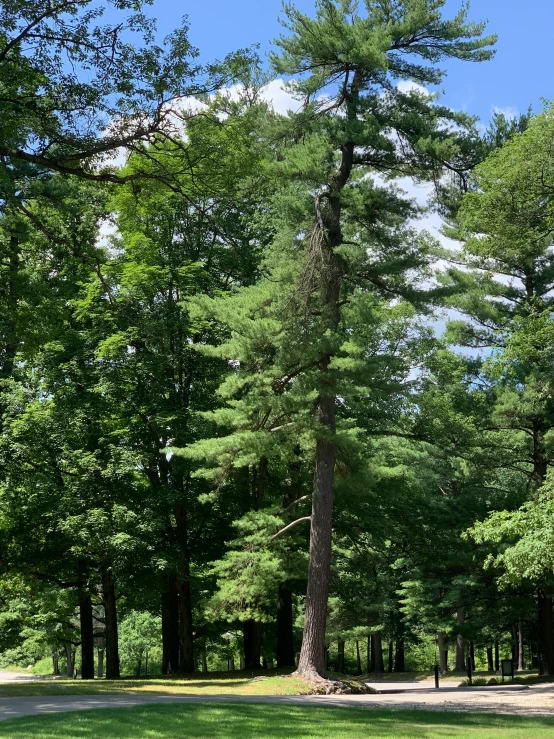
(519, 75)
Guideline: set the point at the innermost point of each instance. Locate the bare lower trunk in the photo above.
(69, 660)
(443, 655)
(340, 656)
(546, 632)
(391, 648)
(472, 654)
(490, 660)
(252, 633)
(87, 636)
(170, 625)
(186, 635)
(100, 652)
(285, 635)
(358, 658)
(460, 643)
(514, 644)
(55, 662)
(204, 661)
(521, 649)
(496, 656)
(312, 654)
(110, 617)
(399, 657)
(377, 643)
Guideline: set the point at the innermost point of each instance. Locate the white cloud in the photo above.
(508, 112)
(406, 86)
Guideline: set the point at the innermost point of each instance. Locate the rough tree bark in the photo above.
(285, 634)
(521, 648)
(110, 620)
(460, 643)
(490, 660)
(252, 633)
(55, 662)
(69, 660)
(87, 636)
(170, 625)
(186, 635)
(546, 629)
(399, 657)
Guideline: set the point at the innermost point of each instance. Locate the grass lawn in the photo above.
(240, 721)
(224, 683)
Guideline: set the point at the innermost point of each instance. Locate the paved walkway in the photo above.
(536, 701)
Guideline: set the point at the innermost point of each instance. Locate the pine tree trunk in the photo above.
(358, 658)
(399, 657)
(514, 644)
(68, 660)
(472, 654)
(340, 656)
(87, 636)
(370, 663)
(443, 655)
(110, 618)
(391, 648)
(496, 656)
(460, 643)
(170, 625)
(186, 634)
(521, 648)
(490, 660)
(377, 644)
(100, 670)
(252, 633)
(546, 632)
(285, 624)
(204, 661)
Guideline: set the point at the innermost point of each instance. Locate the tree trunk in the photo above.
(55, 662)
(285, 634)
(496, 656)
(146, 664)
(252, 633)
(377, 644)
(521, 648)
(170, 625)
(490, 660)
(340, 656)
(391, 647)
(358, 658)
(460, 643)
(370, 663)
(399, 657)
(204, 661)
(69, 660)
(443, 654)
(87, 636)
(546, 632)
(514, 644)
(139, 666)
(186, 635)
(100, 652)
(110, 617)
(472, 654)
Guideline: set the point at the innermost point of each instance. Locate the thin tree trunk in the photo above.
(204, 661)
(252, 633)
(285, 624)
(170, 625)
(69, 660)
(399, 657)
(186, 635)
(340, 656)
(443, 657)
(87, 636)
(377, 644)
(496, 656)
(391, 647)
(521, 648)
(546, 632)
(55, 662)
(100, 652)
(460, 643)
(514, 644)
(146, 664)
(490, 660)
(358, 658)
(110, 618)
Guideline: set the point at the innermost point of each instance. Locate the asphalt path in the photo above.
(537, 701)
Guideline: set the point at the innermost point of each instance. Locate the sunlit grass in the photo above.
(243, 721)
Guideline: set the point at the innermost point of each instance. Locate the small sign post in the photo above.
(507, 669)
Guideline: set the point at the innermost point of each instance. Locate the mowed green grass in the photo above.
(244, 721)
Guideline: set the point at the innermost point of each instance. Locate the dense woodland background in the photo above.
(233, 366)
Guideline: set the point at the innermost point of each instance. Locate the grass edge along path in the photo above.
(252, 721)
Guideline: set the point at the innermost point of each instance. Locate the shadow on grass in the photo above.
(243, 721)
